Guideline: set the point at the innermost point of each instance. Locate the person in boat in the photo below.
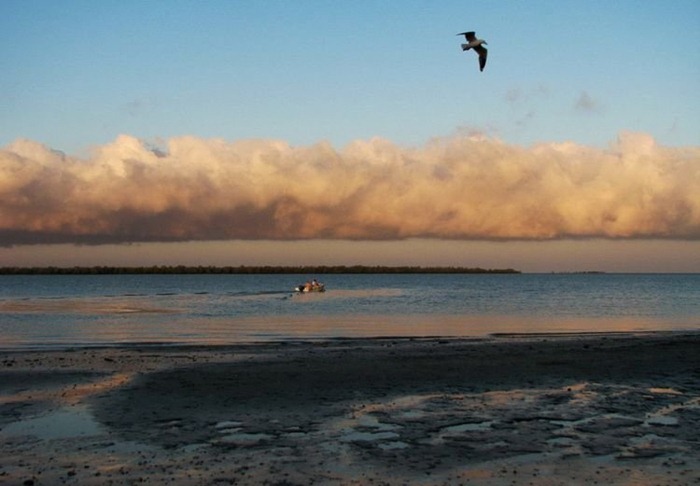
(311, 286)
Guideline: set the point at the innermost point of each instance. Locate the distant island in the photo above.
(246, 270)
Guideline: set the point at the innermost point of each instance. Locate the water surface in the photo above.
(84, 310)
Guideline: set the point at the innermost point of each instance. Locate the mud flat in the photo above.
(510, 409)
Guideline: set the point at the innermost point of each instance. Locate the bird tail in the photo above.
(465, 47)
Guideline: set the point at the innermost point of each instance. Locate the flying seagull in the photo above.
(477, 45)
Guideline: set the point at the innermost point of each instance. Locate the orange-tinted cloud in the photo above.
(457, 188)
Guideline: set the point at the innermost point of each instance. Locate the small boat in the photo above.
(310, 287)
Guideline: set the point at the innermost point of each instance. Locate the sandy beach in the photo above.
(511, 409)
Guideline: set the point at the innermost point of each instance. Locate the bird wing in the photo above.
(481, 50)
(483, 53)
(470, 36)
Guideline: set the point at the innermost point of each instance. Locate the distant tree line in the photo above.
(245, 270)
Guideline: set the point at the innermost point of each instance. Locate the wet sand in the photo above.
(538, 409)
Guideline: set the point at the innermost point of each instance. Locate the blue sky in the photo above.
(78, 73)
(289, 130)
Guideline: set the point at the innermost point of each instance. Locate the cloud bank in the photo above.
(465, 187)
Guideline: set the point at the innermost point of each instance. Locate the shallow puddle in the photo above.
(62, 424)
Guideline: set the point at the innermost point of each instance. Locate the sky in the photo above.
(321, 132)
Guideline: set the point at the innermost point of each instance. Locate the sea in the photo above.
(68, 311)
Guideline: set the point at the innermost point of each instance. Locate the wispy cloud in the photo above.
(139, 107)
(586, 104)
(465, 187)
(518, 96)
(525, 103)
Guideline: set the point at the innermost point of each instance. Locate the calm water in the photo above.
(115, 309)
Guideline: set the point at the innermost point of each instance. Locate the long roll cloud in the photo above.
(455, 188)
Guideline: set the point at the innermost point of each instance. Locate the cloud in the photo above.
(518, 96)
(464, 187)
(525, 103)
(139, 107)
(586, 104)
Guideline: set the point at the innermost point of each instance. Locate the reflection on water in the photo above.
(94, 310)
(86, 306)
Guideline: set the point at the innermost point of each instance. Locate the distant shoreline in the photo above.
(247, 270)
